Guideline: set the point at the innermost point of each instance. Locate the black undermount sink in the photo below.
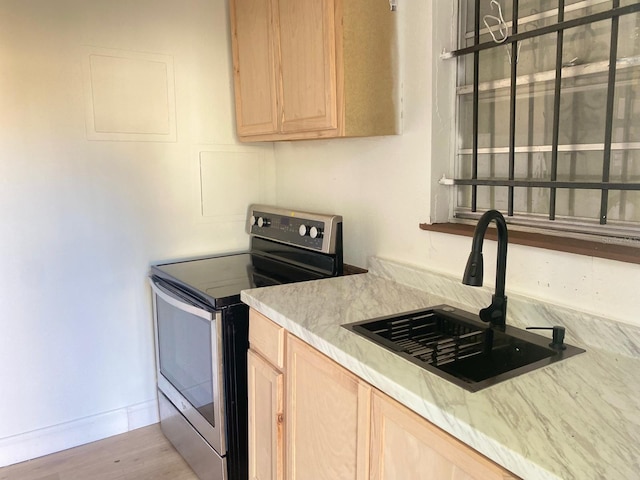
(459, 347)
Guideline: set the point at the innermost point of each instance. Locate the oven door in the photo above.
(189, 360)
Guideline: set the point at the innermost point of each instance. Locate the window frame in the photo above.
(596, 244)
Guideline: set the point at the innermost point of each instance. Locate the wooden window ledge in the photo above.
(612, 251)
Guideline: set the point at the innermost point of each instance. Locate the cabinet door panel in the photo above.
(308, 56)
(255, 65)
(266, 447)
(405, 445)
(327, 418)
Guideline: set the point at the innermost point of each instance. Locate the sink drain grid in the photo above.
(431, 338)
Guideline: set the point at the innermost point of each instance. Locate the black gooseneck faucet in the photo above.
(495, 313)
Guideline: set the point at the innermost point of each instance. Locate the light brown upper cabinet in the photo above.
(306, 69)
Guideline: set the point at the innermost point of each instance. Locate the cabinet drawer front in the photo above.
(267, 338)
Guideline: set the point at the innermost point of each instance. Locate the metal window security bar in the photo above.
(525, 28)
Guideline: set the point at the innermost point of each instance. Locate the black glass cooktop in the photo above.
(218, 280)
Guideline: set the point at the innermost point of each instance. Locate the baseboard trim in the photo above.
(37, 443)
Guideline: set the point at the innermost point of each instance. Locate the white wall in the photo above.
(383, 187)
(81, 219)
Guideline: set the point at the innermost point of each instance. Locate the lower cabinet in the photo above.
(311, 419)
(406, 446)
(266, 432)
(327, 417)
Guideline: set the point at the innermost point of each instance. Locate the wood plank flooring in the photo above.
(142, 454)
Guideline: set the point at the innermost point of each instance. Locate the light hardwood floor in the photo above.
(142, 454)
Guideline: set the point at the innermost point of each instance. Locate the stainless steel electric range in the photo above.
(201, 330)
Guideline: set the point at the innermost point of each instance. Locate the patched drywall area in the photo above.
(130, 96)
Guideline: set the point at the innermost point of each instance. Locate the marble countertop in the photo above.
(575, 419)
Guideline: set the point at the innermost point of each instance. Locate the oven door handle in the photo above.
(166, 295)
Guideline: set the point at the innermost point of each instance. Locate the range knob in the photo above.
(263, 222)
(252, 220)
(303, 230)
(315, 232)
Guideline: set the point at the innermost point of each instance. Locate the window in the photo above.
(548, 126)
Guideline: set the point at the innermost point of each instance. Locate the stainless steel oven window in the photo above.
(190, 363)
(184, 342)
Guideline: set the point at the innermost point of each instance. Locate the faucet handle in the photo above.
(495, 314)
(557, 341)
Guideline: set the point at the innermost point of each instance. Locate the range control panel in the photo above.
(312, 231)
